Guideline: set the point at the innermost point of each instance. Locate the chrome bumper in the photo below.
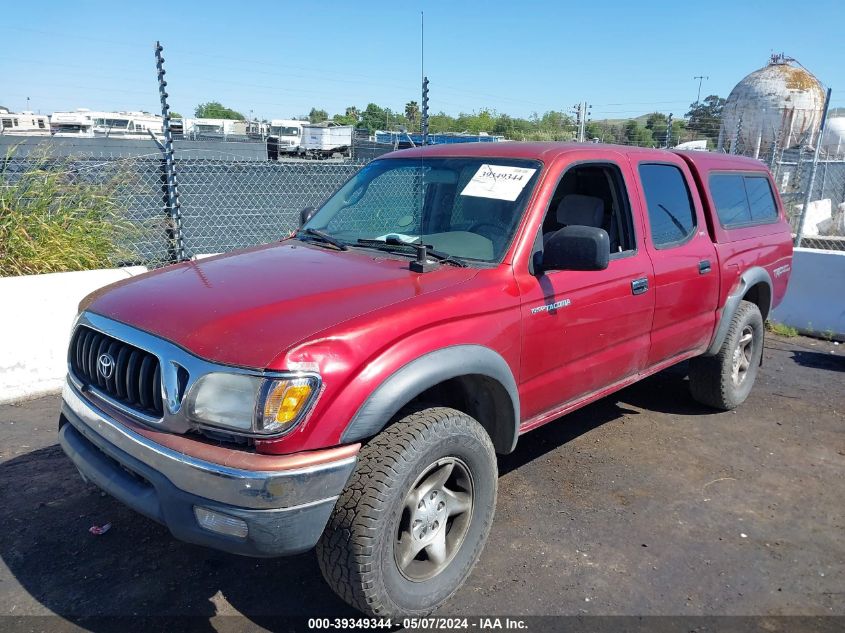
(260, 490)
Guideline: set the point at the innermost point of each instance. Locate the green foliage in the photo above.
(781, 329)
(412, 114)
(216, 110)
(52, 221)
(635, 134)
(705, 117)
(647, 131)
(318, 116)
(352, 117)
(175, 115)
(605, 132)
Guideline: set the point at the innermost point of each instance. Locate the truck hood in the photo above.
(246, 308)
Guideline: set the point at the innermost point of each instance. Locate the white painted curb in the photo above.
(35, 322)
(815, 300)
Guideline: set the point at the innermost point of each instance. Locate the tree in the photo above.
(656, 120)
(412, 113)
(605, 132)
(636, 134)
(350, 118)
(216, 110)
(375, 118)
(318, 116)
(657, 123)
(706, 117)
(175, 115)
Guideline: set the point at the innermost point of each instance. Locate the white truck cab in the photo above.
(289, 133)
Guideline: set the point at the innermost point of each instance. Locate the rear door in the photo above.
(686, 278)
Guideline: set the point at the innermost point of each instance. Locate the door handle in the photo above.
(639, 286)
(704, 266)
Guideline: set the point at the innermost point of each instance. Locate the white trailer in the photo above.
(214, 128)
(24, 123)
(88, 123)
(325, 139)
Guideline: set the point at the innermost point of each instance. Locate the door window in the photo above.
(593, 195)
(670, 212)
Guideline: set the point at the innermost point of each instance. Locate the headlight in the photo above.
(251, 405)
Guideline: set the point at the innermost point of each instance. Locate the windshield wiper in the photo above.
(674, 220)
(394, 244)
(327, 239)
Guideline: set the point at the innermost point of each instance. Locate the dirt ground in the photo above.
(644, 503)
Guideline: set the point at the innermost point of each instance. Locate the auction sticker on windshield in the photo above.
(499, 182)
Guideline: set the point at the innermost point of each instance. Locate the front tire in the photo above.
(414, 517)
(724, 381)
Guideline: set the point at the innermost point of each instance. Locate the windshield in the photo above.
(464, 207)
(286, 131)
(121, 123)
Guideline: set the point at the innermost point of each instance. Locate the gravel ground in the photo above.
(644, 503)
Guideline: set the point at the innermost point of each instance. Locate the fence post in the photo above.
(808, 195)
(176, 246)
(735, 139)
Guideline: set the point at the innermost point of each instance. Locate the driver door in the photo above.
(586, 330)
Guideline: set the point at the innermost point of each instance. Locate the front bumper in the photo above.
(285, 509)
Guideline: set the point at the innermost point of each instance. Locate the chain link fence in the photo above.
(813, 194)
(232, 203)
(226, 204)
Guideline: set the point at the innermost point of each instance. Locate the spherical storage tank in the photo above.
(833, 141)
(781, 102)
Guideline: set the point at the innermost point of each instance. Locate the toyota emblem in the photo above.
(105, 366)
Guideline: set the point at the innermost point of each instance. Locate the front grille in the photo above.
(135, 379)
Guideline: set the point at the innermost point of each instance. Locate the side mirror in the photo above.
(577, 248)
(306, 214)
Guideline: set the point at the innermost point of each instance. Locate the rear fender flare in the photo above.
(748, 279)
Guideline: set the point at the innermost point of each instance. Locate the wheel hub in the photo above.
(435, 519)
(741, 359)
(430, 515)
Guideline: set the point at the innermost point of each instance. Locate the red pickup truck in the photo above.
(350, 387)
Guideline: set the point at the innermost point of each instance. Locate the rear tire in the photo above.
(414, 517)
(724, 381)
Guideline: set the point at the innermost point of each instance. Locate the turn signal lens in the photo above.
(285, 402)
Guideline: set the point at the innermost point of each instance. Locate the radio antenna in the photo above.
(421, 254)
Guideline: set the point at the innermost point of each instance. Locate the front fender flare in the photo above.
(425, 372)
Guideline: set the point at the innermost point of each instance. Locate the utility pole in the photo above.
(669, 131)
(586, 119)
(700, 79)
(581, 112)
(576, 110)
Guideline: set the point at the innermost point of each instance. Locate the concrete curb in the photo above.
(35, 326)
(815, 301)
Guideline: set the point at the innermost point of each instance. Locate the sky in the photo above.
(280, 59)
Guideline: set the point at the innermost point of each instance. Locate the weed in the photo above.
(781, 330)
(53, 220)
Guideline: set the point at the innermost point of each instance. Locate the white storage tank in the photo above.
(833, 141)
(780, 103)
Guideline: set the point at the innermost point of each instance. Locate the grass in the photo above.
(781, 330)
(51, 220)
